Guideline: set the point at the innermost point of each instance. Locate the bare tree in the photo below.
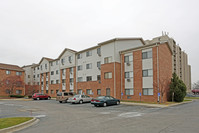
(196, 85)
(11, 83)
(163, 86)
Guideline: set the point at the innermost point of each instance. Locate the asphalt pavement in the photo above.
(85, 118)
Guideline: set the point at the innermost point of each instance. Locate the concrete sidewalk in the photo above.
(155, 105)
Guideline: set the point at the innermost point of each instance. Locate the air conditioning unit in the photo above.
(128, 80)
(128, 64)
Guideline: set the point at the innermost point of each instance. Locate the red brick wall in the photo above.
(165, 69)
(53, 87)
(3, 76)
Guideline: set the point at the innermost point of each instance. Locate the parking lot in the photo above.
(85, 118)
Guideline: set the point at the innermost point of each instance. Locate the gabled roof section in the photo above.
(10, 67)
(48, 59)
(66, 49)
(118, 39)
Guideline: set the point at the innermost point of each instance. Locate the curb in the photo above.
(155, 105)
(16, 99)
(20, 126)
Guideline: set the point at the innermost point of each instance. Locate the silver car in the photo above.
(79, 99)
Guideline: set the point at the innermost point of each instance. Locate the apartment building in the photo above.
(125, 68)
(11, 80)
(179, 59)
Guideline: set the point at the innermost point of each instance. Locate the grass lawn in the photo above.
(191, 97)
(8, 122)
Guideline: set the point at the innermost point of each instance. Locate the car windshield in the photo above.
(101, 97)
(59, 94)
(76, 96)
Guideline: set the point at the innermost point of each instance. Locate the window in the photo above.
(88, 53)
(62, 61)
(52, 91)
(57, 71)
(108, 75)
(71, 80)
(46, 82)
(98, 91)
(28, 76)
(128, 58)
(99, 51)
(47, 91)
(70, 59)
(128, 74)
(107, 60)
(79, 91)
(37, 83)
(89, 78)
(57, 91)
(79, 79)
(147, 73)
(52, 81)
(33, 76)
(79, 67)
(98, 77)
(37, 68)
(18, 73)
(52, 72)
(41, 67)
(7, 72)
(99, 64)
(45, 66)
(57, 62)
(147, 55)
(147, 91)
(7, 91)
(18, 91)
(88, 66)
(19, 84)
(37, 75)
(28, 83)
(57, 81)
(88, 91)
(63, 71)
(71, 70)
(129, 92)
(79, 56)
(63, 81)
(46, 75)
(51, 63)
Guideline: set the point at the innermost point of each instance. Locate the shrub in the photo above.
(178, 88)
(17, 96)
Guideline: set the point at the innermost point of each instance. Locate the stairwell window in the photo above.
(107, 75)
(128, 58)
(107, 60)
(89, 78)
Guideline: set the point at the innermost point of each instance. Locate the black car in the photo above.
(105, 100)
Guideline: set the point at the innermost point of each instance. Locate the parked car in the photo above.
(104, 101)
(63, 96)
(80, 99)
(39, 96)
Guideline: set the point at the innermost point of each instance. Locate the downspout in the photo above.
(158, 71)
(114, 73)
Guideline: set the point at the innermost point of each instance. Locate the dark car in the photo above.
(105, 100)
(39, 96)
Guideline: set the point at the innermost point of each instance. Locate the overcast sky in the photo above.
(32, 29)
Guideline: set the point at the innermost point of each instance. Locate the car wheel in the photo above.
(118, 102)
(80, 101)
(60, 101)
(104, 104)
(38, 98)
(95, 105)
(49, 98)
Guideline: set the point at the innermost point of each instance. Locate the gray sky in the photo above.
(32, 29)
